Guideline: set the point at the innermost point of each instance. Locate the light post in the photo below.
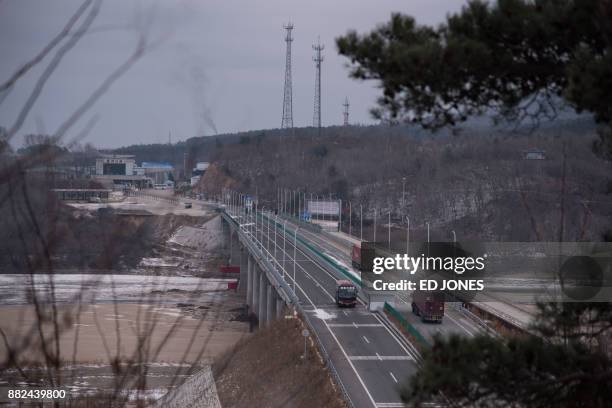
(255, 217)
(427, 238)
(310, 209)
(408, 235)
(294, 254)
(361, 222)
(375, 211)
(389, 230)
(262, 227)
(454, 237)
(284, 239)
(340, 217)
(350, 218)
(403, 191)
(275, 220)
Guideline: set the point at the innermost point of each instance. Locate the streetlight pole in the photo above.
(389, 230)
(361, 222)
(262, 226)
(454, 237)
(294, 254)
(275, 220)
(340, 217)
(403, 191)
(375, 211)
(284, 239)
(350, 218)
(408, 236)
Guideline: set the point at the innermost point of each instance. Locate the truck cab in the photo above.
(346, 293)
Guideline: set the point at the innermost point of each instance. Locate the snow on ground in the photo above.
(347, 268)
(209, 236)
(101, 288)
(323, 315)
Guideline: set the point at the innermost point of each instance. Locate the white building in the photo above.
(115, 165)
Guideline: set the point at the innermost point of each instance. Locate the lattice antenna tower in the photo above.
(345, 113)
(287, 121)
(318, 58)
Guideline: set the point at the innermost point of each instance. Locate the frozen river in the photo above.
(18, 289)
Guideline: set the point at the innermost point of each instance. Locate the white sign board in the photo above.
(321, 207)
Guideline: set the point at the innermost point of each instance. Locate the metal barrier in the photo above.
(406, 325)
(131, 193)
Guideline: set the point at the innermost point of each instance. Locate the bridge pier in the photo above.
(263, 299)
(255, 289)
(279, 307)
(249, 297)
(271, 305)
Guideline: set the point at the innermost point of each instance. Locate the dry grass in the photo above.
(266, 370)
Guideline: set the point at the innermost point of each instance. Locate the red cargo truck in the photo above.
(362, 256)
(428, 305)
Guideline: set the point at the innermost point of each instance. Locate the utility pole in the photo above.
(389, 230)
(287, 121)
(345, 113)
(318, 58)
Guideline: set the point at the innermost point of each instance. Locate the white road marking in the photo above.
(381, 358)
(460, 325)
(344, 311)
(366, 339)
(390, 405)
(356, 325)
(415, 353)
(351, 363)
(392, 376)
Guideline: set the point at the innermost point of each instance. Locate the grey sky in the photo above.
(221, 61)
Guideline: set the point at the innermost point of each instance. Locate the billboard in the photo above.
(323, 207)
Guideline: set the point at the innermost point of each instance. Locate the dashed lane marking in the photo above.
(381, 358)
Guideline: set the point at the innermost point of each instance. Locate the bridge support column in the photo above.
(255, 295)
(279, 307)
(271, 305)
(263, 301)
(249, 297)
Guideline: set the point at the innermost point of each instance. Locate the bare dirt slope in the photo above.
(266, 370)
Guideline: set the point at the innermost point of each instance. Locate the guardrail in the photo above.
(406, 325)
(131, 193)
(320, 254)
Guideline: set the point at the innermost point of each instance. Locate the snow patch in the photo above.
(323, 315)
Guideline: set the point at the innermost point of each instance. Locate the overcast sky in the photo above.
(219, 68)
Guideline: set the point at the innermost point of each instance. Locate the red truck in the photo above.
(346, 293)
(362, 256)
(428, 305)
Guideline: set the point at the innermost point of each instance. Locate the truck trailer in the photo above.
(362, 256)
(428, 305)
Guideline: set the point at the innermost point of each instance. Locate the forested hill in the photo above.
(206, 148)
(475, 180)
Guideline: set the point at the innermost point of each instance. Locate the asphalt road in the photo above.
(371, 360)
(454, 321)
